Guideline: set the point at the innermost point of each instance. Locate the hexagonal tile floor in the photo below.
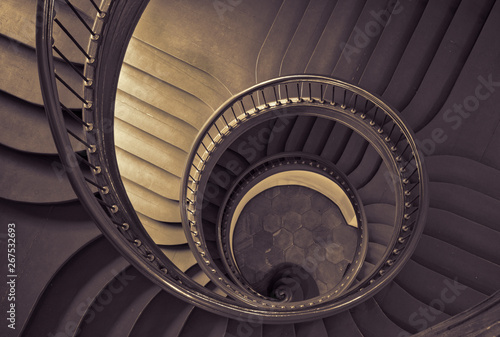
(293, 225)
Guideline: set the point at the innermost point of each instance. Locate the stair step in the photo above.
(19, 75)
(19, 21)
(451, 261)
(242, 328)
(457, 199)
(305, 38)
(34, 178)
(163, 233)
(408, 312)
(90, 264)
(174, 313)
(149, 148)
(149, 176)
(180, 255)
(380, 189)
(282, 330)
(115, 305)
(204, 323)
(337, 31)
(419, 52)
(447, 63)
(350, 66)
(154, 121)
(457, 170)
(466, 234)
(278, 39)
(314, 328)
(342, 325)
(299, 133)
(428, 286)
(151, 204)
(394, 39)
(25, 127)
(373, 322)
(178, 73)
(164, 96)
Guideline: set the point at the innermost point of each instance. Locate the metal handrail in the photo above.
(349, 104)
(110, 208)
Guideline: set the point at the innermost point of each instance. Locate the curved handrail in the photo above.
(110, 209)
(356, 107)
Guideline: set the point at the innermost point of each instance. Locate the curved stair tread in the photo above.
(155, 121)
(223, 178)
(151, 204)
(469, 134)
(299, 133)
(79, 310)
(25, 127)
(204, 323)
(306, 37)
(252, 144)
(19, 21)
(198, 275)
(174, 71)
(336, 142)
(163, 96)
(248, 329)
(87, 262)
(34, 178)
(149, 176)
(174, 311)
(233, 162)
(366, 169)
(406, 311)
(466, 234)
(342, 324)
(336, 33)
(318, 136)
(40, 259)
(116, 307)
(366, 269)
(163, 233)
(381, 213)
(281, 330)
(375, 252)
(420, 51)
(128, 320)
(448, 62)
(232, 61)
(180, 255)
(457, 170)
(373, 322)
(351, 65)
(151, 149)
(353, 154)
(279, 134)
(21, 80)
(380, 233)
(450, 261)
(428, 286)
(380, 189)
(393, 41)
(313, 328)
(278, 39)
(466, 203)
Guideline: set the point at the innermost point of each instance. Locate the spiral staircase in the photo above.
(155, 104)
